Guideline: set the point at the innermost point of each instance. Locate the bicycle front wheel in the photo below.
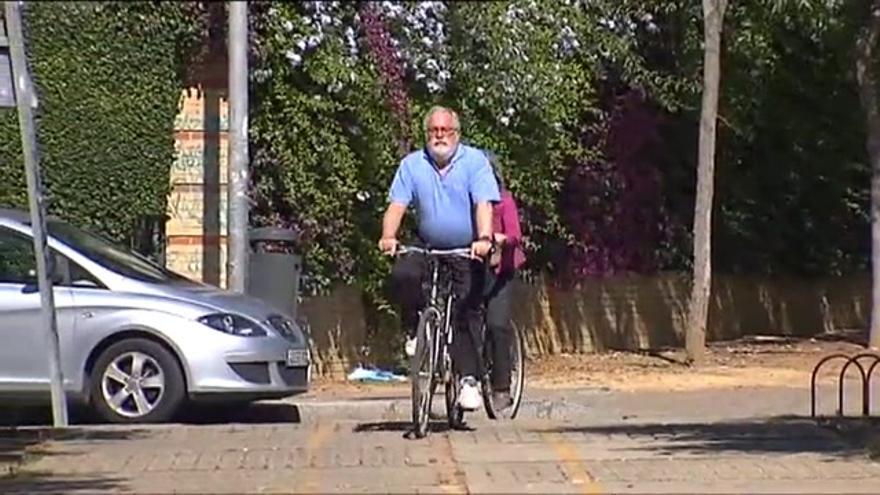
(454, 413)
(422, 368)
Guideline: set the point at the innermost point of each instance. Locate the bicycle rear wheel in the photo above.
(517, 372)
(517, 376)
(422, 371)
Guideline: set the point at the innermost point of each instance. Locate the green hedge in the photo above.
(109, 77)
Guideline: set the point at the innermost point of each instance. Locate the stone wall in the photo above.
(632, 312)
(196, 227)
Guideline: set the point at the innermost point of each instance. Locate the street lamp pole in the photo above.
(237, 225)
(26, 101)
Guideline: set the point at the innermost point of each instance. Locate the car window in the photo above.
(111, 256)
(17, 262)
(79, 277)
(18, 265)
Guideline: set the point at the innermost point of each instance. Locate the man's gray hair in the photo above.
(438, 109)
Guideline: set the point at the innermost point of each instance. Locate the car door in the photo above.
(91, 299)
(24, 358)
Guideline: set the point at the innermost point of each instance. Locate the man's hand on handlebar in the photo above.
(481, 248)
(388, 246)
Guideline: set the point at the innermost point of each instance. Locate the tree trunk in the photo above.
(698, 311)
(865, 44)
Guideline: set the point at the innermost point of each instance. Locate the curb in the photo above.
(400, 409)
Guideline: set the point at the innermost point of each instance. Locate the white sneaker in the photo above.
(410, 347)
(469, 399)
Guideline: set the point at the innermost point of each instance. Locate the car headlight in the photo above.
(233, 324)
(285, 327)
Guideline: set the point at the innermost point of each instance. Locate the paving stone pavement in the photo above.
(611, 443)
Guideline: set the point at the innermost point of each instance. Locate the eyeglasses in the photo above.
(441, 131)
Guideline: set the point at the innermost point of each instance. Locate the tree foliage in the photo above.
(324, 141)
(108, 77)
(339, 92)
(592, 107)
(793, 176)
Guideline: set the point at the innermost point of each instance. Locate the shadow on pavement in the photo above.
(37, 415)
(861, 432)
(401, 426)
(19, 446)
(47, 483)
(777, 435)
(255, 413)
(194, 414)
(405, 427)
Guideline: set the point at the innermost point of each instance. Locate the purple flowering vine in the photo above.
(614, 207)
(381, 49)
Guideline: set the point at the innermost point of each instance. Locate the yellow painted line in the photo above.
(572, 464)
(316, 440)
(452, 479)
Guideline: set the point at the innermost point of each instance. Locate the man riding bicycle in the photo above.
(452, 187)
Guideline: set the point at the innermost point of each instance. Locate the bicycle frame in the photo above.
(435, 303)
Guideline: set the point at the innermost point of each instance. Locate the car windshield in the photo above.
(111, 256)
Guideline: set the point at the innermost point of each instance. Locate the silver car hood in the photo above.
(212, 297)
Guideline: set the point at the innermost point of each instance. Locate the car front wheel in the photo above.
(136, 381)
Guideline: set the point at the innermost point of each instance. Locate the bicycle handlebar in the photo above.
(461, 252)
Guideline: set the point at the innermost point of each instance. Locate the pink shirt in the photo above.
(505, 221)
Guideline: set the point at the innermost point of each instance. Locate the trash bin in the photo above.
(274, 267)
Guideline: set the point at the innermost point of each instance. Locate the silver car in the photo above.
(137, 340)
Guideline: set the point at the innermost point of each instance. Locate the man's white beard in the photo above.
(441, 154)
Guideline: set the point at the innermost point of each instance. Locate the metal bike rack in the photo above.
(864, 375)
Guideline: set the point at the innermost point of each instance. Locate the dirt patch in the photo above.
(749, 362)
(745, 363)
(329, 389)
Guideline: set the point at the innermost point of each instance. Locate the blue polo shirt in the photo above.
(445, 203)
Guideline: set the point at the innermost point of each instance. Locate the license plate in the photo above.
(297, 357)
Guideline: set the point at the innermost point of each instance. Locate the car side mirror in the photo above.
(32, 284)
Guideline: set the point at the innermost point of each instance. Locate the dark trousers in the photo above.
(468, 284)
(498, 307)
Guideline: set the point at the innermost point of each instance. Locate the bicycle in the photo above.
(432, 364)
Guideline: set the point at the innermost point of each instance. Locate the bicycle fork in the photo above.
(447, 361)
(441, 349)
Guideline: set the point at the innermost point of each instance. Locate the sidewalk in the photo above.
(623, 423)
(597, 405)
(583, 441)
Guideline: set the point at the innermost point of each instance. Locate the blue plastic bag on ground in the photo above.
(361, 374)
